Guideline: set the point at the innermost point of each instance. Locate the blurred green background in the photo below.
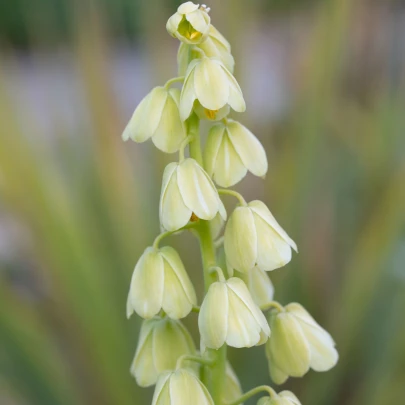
(324, 83)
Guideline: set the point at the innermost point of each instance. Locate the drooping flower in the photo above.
(297, 344)
(161, 342)
(190, 24)
(229, 315)
(213, 85)
(160, 282)
(231, 150)
(187, 190)
(254, 237)
(158, 117)
(180, 387)
(282, 398)
(215, 46)
(260, 286)
(210, 115)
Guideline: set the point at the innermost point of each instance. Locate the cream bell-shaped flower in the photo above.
(160, 281)
(231, 151)
(187, 189)
(211, 115)
(161, 342)
(210, 83)
(254, 237)
(180, 387)
(158, 117)
(297, 344)
(260, 286)
(229, 315)
(190, 24)
(282, 398)
(215, 46)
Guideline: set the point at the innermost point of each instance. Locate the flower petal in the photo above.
(260, 286)
(236, 100)
(272, 251)
(290, 396)
(174, 214)
(262, 210)
(161, 396)
(213, 316)
(288, 346)
(211, 84)
(240, 240)
(200, 20)
(171, 130)
(197, 190)
(187, 7)
(147, 301)
(212, 146)
(248, 147)
(188, 96)
(146, 117)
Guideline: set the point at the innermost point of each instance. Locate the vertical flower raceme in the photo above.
(161, 291)
(187, 190)
(180, 387)
(297, 344)
(229, 315)
(210, 83)
(161, 342)
(254, 237)
(231, 150)
(190, 24)
(160, 282)
(158, 117)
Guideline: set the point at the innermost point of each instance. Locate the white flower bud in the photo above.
(190, 24)
(161, 342)
(180, 387)
(187, 190)
(232, 389)
(229, 315)
(254, 237)
(231, 150)
(298, 343)
(215, 46)
(260, 286)
(158, 117)
(213, 85)
(160, 281)
(282, 398)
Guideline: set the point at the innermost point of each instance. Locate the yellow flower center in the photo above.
(211, 114)
(194, 218)
(187, 30)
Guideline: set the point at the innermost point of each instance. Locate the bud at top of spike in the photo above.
(190, 24)
(161, 342)
(297, 344)
(160, 282)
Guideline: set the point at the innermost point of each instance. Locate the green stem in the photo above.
(253, 392)
(193, 124)
(233, 193)
(213, 376)
(272, 304)
(195, 359)
(174, 80)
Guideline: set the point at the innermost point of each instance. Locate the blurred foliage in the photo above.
(85, 207)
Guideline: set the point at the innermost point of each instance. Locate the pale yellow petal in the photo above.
(197, 190)
(187, 7)
(290, 396)
(200, 20)
(188, 95)
(248, 147)
(171, 130)
(211, 84)
(235, 100)
(232, 388)
(174, 214)
(173, 23)
(260, 286)
(272, 251)
(213, 316)
(148, 273)
(240, 240)
(288, 346)
(262, 210)
(212, 146)
(161, 395)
